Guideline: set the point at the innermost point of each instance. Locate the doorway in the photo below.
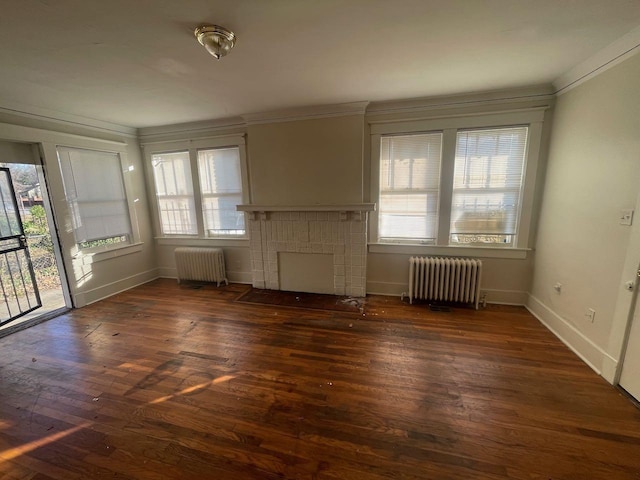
(32, 282)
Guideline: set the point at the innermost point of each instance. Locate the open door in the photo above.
(18, 288)
(630, 376)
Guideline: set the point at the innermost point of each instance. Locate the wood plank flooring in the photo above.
(168, 382)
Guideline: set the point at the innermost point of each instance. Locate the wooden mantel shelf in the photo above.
(354, 207)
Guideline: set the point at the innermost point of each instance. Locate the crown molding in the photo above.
(506, 99)
(67, 119)
(306, 113)
(613, 54)
(199, 129)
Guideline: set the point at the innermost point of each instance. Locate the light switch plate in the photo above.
(626, 216)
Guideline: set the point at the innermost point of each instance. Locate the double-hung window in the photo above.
(174, 191)
(487, 185)
(221, 189)
(455, 182)
(96, 197)
(409, 186)
(198, 188)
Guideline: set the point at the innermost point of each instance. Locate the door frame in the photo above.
(627, 334)
(20, 246)
(625, 309)
(53, 225)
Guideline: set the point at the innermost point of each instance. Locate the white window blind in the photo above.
(409, 187)
(174, 190)
(221, 190)
(95, 193)
(487, 184)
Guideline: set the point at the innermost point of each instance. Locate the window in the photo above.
(454, 181)
(487, 185)
(95, 193)
(409, 186)
(199, 186)
(174, 190)
(221, 189)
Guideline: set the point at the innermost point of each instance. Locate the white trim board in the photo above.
(69, 120)
(306, 113)
(610, 56)
(87, 297)
(494, 296)
(233, 277)
(590, 353)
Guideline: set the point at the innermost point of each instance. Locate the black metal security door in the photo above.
(18, 289)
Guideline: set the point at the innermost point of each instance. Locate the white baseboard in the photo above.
(506, 297)
(233, 277)
(240, 277)
(500, 297)
(610, 369)
(387, 288)
(93, 295)
(167, 272)
(593, 355)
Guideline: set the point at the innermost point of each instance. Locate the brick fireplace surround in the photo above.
(340, 230)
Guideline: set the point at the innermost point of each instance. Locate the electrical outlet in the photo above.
(591, 315)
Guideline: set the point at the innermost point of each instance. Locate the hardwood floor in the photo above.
(165, 382)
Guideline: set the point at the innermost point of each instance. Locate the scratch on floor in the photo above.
(93, 330)
(33, 407)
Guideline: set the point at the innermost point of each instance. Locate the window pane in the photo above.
(177, 216)
(221, 188)
(94, 191)
(221, 217)
(409, 186)
(174, 190)
(487, 185)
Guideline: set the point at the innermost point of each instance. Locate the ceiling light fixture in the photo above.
(217, 40)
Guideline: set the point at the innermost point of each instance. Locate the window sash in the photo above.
(94, 190)
(487, 185)
(482, 207)
(409, 187)
(174, 193)
(220, 175)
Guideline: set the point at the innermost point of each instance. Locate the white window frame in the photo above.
(158, 198)
(449, 126)
(102, 252)
(407, 240)
(193, 147)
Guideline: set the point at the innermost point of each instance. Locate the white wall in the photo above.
(593, 172)
(90, 280)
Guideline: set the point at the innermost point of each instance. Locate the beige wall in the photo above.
(312, 161)
(504, 280)
(593, 173)
(306, 162)
(236, 258)
(324, 161)
(90, 280)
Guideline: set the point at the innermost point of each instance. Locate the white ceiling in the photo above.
(136, 62)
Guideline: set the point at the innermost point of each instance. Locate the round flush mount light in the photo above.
(217, 40)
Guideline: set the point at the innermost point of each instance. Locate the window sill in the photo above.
(203, 242)
(88, 258)
(480, 252)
